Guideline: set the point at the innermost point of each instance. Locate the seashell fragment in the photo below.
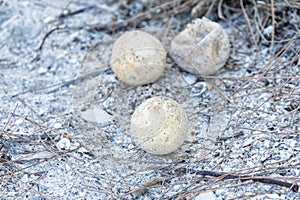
(202, 48)
(138, 58)
(63, 144)
(159, 126)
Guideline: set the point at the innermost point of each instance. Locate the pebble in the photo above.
(220, 191)
(42, 70)
(273, 196)
(25, 178)
(247, 142)
(49, 19)
(96, 115)
(63, 144)
(19, 122)
(206, 196)
(268, 31)
(57, 125)
(190, 79)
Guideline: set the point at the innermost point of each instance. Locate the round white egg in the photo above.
(159, 126)
(138, 58)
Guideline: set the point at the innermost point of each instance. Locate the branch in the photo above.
(221, 175)
(166, 9)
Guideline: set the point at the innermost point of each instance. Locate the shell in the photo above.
(202, 48)
(159, 126)
(138, 58)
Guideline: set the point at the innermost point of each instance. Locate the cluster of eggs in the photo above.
(159, 126)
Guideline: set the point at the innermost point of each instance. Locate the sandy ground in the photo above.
(65, 117)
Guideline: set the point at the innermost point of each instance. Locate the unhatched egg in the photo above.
(138, 58)
(202, 48)
(159, 126)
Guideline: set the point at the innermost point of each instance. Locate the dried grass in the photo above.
(277, 80)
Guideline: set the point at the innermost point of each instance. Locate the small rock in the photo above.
(268, 31)
(190, 79)
(247, 142)
(49, 19)
(273, 196)
(68, 167)
(25, 178)
(220, 191)
(19, 122)
(63, 144)
(206, 196)
(96, 115)
(42, 70)
(57, 125)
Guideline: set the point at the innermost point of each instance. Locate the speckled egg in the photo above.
(138, 58)
(159, 126)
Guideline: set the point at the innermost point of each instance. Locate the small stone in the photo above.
(220, 191)
(63, 144)
(159, 126)
(190, 79)
(18, 122)
(273, 196)
(68, 167)
(82, 150)
(206, 196)
(138, 58)
(49, 19)
(247, 142)
(25, 178)
(42, 70)
(96, 115)
(268, 31)
(57, 125)
(202, 48)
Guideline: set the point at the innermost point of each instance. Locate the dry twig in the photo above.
(221, 176)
